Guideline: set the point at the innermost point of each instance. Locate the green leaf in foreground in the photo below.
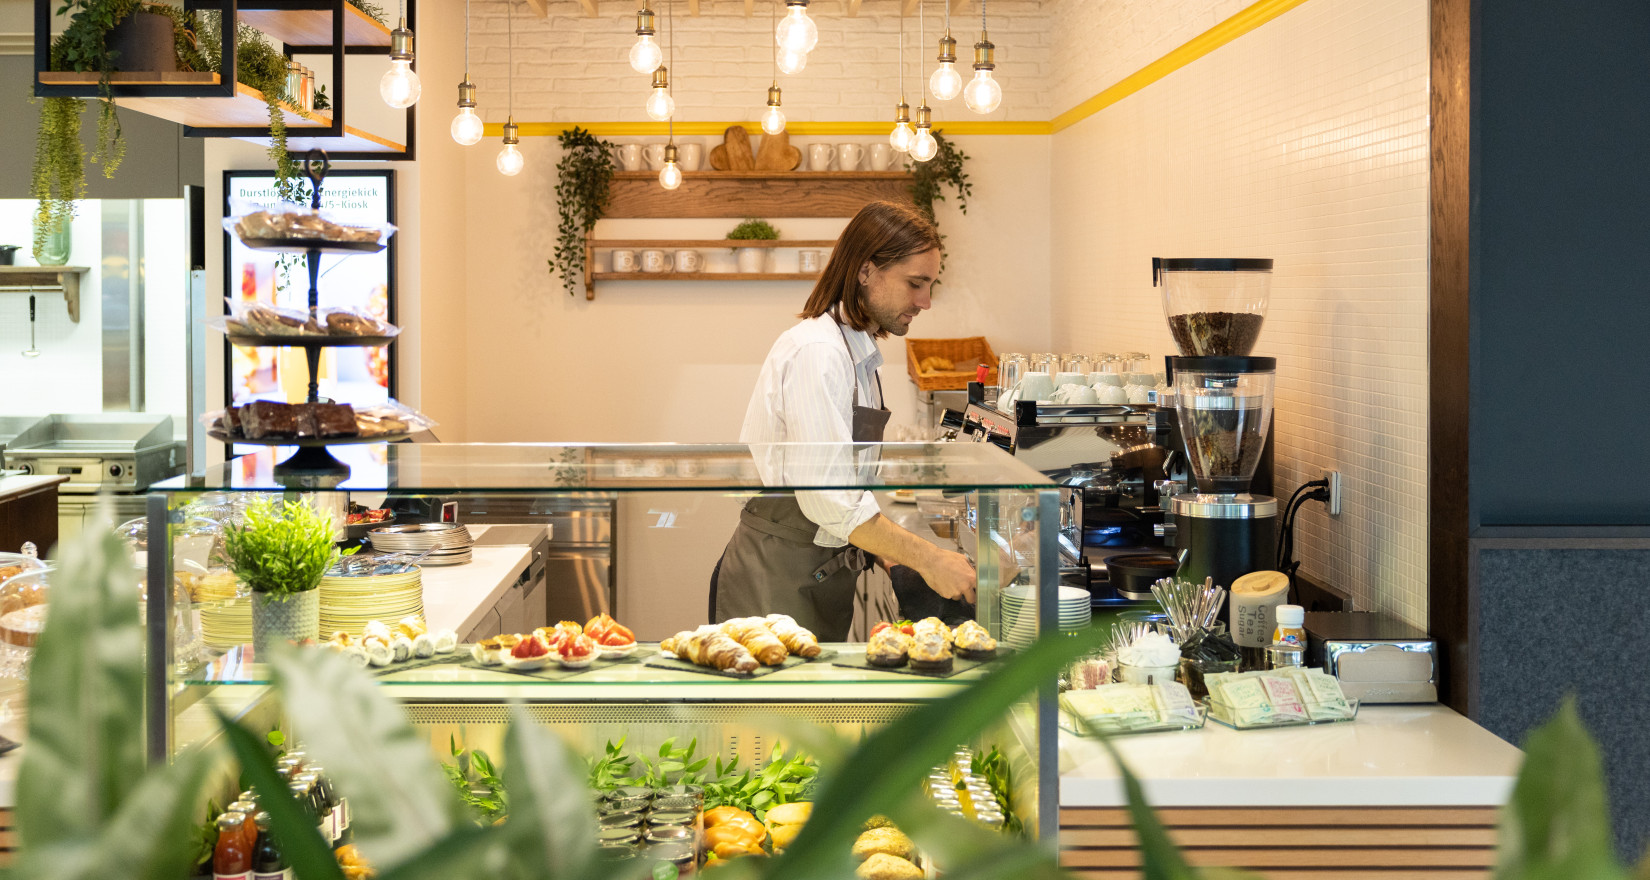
(310, 856)
(1557, 824)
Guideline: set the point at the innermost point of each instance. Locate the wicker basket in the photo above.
(965, 355)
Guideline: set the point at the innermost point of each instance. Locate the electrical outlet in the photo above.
(1333, 478)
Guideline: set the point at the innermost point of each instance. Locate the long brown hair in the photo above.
(883, 233)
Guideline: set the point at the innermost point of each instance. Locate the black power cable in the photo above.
(1312, 490)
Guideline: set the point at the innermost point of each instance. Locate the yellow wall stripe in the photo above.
(804, 129)
(1250, 18)
(1243, 22)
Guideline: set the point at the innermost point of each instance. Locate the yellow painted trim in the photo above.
(805, 129)
(1250, 18)
(1242, 23)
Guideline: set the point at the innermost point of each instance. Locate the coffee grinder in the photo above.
(1223, 402)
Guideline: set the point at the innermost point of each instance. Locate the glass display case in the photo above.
(670, 510)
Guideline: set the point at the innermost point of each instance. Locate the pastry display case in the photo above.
(676, 506)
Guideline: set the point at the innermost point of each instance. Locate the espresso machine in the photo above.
(1223, 404)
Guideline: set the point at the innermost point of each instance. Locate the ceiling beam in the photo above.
(539, 7)
(853, 7)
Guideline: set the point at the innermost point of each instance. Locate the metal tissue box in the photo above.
(1376, 657)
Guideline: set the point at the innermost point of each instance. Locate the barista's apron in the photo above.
(773, 566)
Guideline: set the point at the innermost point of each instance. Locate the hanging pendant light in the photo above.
(399, 86)
(645, 54)
(923, 145)
(792, 63)
(797, 32)
(510, 160)
(670, 176)
(983, 94)
(773, 119)
(466, 127)
(660, 105)
(946, 83)
(900, 137)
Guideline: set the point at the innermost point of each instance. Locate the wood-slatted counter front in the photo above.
(1293, 843)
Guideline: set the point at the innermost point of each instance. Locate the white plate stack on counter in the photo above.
(349, 603)
(447, 543)
(1020, 614)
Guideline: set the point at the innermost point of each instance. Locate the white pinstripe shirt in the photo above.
(804, 394)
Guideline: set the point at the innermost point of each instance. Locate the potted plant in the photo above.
(753, 260)
(582, 179)
(281, 553)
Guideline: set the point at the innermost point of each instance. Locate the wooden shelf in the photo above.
(673, 243)
(703, 276)
(755, 193)
(131, 78)
(246, 110)
(311, 28)
(353, 141)
(46, 279)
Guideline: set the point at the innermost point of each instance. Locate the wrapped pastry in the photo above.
(887, 648)
(931, 652)
(973, 642)
(797, 638)
(754, 635)
(881, 866)
(379, 652)
(446, 642)
(401, 648)
(886, 840)
(423, 646)
(357, 655)
(411, 626)
(375, 629)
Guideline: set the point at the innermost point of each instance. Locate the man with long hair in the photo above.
(801, 553)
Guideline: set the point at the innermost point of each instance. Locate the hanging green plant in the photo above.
(263, 67)
(928, 178)
(59, 167)
(583, 178)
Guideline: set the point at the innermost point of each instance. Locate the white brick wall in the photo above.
(1305, 141)
(1095, 44)
(571, 68)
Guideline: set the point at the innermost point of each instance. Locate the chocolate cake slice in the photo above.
(333, 419)
(262, 419)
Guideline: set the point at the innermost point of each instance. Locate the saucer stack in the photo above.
(1020, 614)
(448, 543)
(348, 603)
(226, 619)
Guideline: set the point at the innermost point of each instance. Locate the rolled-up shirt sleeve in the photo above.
(818, 406)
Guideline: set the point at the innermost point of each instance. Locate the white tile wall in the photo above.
(572, 68)
(1095, 44)
(1305, 141)
(67, 376)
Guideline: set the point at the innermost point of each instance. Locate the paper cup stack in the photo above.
(449, 543)
(348, 603)
(1020, 614)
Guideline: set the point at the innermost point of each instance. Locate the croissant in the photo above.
(798, 640)
(722, 652)
(753, 633)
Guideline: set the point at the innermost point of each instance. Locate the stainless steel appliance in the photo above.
(114, 454)
(577, 559)
(1378, 658)
(10, 427)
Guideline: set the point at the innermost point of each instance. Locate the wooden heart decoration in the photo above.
(777, 154)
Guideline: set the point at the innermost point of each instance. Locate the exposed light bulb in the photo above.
(773, 119)
(510, 160)
(983, 94)
(796, 31)
(946, 83)
(923, 146)
(792, 63)
(467, 128)
(645, 54)
(660, 105)
(900, 137)
(400, 87)
(670, 176)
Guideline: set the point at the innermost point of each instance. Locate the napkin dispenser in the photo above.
(1376, 657)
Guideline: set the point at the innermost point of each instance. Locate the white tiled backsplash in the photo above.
(1304, 141)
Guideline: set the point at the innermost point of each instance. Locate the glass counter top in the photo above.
(500, 468)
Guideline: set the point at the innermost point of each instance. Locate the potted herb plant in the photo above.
(582, 179)
(752, 260)
(280, 553)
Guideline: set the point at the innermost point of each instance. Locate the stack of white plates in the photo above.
(448, 543)
(348, 603)
(226, 621)
(1020, 613)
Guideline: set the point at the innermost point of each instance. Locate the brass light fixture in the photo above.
(773, 119)
(946, 83)
(923, 145)
(900, 137)
(983, 94)
(660, 105)
(645, 54)
(670, 176)
(510, 160)
(399, 86)
(466, 127)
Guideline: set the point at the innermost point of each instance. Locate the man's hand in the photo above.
(948, 574)
(951, 575)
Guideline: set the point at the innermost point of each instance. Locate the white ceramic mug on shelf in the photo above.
(689, 261)
(690, 155)
(881, 156)
(630, 156)
(820, 156)
(807, 261)
(848, 156)
(624, 261)
(655, 154)
(655, 261)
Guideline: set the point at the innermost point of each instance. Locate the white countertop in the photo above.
(1388, 756)
(456, 596)
(12, 486)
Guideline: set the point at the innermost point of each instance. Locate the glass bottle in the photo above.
(249, 829)
(317, 803)
(338, 807)
(232, 858)
(268, 862)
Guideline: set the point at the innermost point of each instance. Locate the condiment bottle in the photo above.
(268, 862)
(232, 857)
(1291, 626)
(249, 829)
(338, 806)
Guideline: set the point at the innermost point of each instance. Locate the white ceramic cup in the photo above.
(689, 261)
(690, 155)
(1037, 386)
(630, 156)
(655, 155)
(1075, 395)
(820, 156)
(807, 261)
(624, 261)
(848, 156)
(881, 155)
(1112, 379)
(1061, 379)
(655, 261)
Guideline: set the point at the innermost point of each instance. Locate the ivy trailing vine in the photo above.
(583, 178)
(59, 167)
(928, 178)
